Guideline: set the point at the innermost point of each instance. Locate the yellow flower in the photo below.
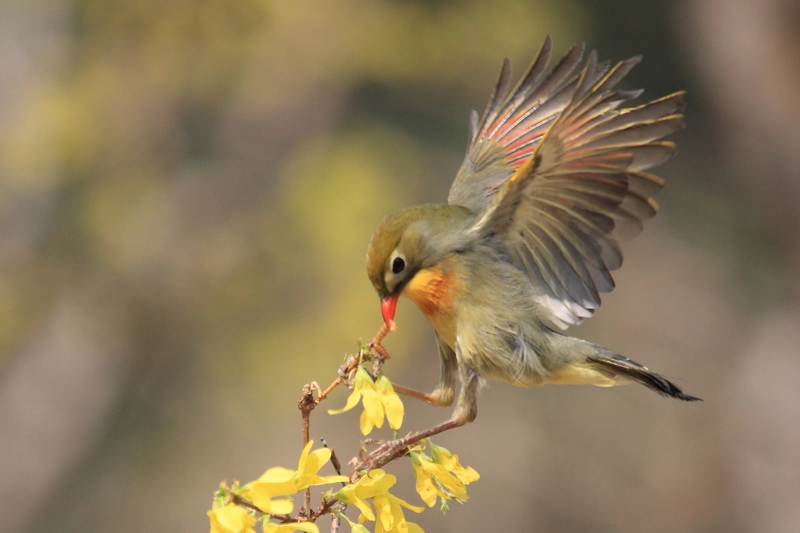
(392, 404)
(278, 481)
(376, 485)
(275, 482)
(364, 388)
(231, 519)
(308, 527)
(435, 480)
(379, 400)
(375, 482)
(442, 476)
(450, 462)
(354, 528)
(309, 466)
(390, 515)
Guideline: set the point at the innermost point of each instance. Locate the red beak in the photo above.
(388, 308)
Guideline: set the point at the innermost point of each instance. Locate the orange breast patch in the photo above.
(433, 289)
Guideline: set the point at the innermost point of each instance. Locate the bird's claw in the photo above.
(386, 451)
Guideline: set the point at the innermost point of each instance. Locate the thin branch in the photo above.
(238, 500)
(306, 404)
(324, 394)
(394, 449)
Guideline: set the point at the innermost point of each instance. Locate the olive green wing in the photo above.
(560, 215)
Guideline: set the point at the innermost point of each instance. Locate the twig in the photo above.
(238, 500)
(306, 405)
(391, 450)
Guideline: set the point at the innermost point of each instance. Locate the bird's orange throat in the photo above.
(434, 289)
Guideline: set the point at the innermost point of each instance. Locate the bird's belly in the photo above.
(445, 326)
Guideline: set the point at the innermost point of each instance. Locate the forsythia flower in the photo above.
(278, 481)
(309, 467)
(379, 400)
(389, 508)
(392, 404)
(231, 519)
(444, 457)
(354, 528)
(441, 475)
(308, 527)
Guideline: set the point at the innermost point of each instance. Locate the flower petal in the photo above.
(277, 475)
(301, 464)
(393, 406)
(373, 406)
(405, 504)
(261, 494)
(231, 519)
(349, 495)
(383, 507)
(352, 401)
(308, 527)
(426, 490)
(365, 423)
(280, 507)
(326, 480)
(316, 460)
(414, 528)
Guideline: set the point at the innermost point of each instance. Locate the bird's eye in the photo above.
(398, 265)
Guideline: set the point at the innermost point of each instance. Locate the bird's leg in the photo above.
(411, 393)
(448, 366)
(465, 412)
(467, 406)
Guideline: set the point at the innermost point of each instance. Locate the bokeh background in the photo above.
(187, 189)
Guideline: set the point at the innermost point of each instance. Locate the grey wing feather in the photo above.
(561, 213)
(512, 125)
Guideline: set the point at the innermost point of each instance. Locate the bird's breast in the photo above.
(435, 291)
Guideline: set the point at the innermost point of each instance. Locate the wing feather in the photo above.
(577, 182)
(514, 122)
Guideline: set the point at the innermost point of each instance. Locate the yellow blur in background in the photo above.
(187, 190)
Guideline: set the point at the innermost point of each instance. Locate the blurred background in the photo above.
(187, 189)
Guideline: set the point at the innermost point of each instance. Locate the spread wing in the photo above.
(583, 187)
(513, 124)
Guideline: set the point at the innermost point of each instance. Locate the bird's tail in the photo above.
(616, 365)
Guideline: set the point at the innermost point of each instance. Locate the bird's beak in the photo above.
(388, 308)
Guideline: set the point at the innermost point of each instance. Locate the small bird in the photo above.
(553, 177)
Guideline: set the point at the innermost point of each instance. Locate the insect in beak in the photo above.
(388, 308)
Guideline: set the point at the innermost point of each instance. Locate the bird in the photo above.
(553, 179)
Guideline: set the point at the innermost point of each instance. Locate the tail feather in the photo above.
(617, 365)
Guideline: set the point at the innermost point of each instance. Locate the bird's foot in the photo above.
(387, 451)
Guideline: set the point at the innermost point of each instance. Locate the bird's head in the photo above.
(408, 242)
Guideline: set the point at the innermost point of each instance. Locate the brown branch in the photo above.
(325, 508)
(238, 500)
(306, 404)
(354, 361)
(324, 394)
(391, 450)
